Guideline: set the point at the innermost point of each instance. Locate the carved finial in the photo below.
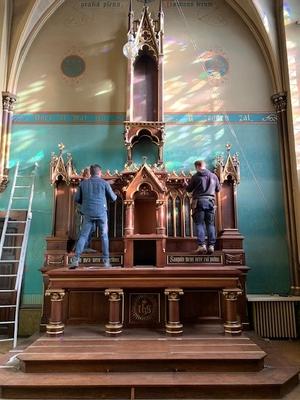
(61, 146)
(130, 17)
(228, 147)
(160, 6)
(161, 17)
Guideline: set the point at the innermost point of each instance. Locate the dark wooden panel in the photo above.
(145, 89)
(227, 196)
(144, 216)
(201, 305)
(86, 307)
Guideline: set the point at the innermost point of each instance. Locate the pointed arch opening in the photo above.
(145, 210)
(145, 100)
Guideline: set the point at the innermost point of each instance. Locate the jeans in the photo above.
(204, 217)
(87, 226)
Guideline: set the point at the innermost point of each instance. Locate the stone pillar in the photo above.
(115, 324)
(280, 103)
(129, 220)
(8, 100)
(232, 325)
(55, 326)
(173, 325)
(160, 217)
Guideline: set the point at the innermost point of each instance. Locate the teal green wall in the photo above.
(260, 194)
(261, 216)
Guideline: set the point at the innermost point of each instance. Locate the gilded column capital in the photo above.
(128, 203)
(114, 294)
(173, 294)
(280, 101)
(8, 101)
(4, 181)
(55, 294)
(232, 294)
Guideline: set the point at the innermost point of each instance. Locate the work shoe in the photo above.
(201, 249)
(106, 263)
(210, 249)
(74, 263)
(89, 250)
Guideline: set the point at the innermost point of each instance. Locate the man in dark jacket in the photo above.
(92, 195)
(204, 184)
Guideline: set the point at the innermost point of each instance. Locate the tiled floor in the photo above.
(285, 352)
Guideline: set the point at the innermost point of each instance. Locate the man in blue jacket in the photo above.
(204, 184)
(92, 195)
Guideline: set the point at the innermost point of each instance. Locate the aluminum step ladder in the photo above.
(13, 246)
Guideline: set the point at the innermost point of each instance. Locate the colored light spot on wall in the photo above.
(216, 66)
(286, 13)
(106, 86)
(37, 157)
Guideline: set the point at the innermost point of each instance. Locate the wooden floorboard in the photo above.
(84, 364)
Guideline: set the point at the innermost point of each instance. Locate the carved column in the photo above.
(173, 325)
(115, 324)
(232, 324)
(55, 326)
(160, 217)
(8, 101)
(129, 220)
(161, 142)
(280, 104)
(129, 153)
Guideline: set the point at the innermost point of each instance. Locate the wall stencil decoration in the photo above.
(77, 19)
(213, 14)
(73, 67)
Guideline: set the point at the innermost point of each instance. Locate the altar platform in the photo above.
(145, 364)
(168, 282)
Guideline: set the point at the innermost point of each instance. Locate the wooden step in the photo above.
(146, 355)
(268, 383)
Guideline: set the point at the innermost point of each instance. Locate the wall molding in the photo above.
(184, 118)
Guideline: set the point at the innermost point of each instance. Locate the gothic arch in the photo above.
(43, 9)
(40, 12)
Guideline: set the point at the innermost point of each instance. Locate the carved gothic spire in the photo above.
(130, 18)
(230, 169)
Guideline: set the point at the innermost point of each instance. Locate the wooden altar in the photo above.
(151, 229)
(150, 224)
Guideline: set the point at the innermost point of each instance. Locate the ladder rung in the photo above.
(20, 197)
(7, 290)
(18, 209)
(24, 176)
(22, 186)
(6, 261)
(6, 322)
(14, 234)
(8, 306)
(6, 340)
(16, 222)
(8, 275)
(12, 247)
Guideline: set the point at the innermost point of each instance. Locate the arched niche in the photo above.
(145, 210)
(145, 101)
(144, 143)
